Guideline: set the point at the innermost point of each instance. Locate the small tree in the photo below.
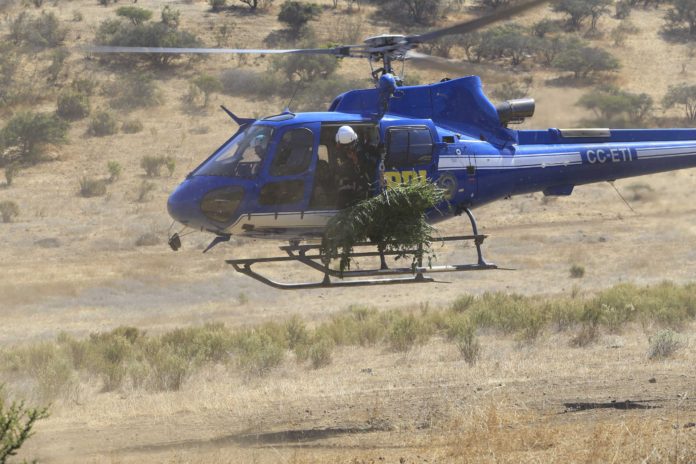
(682, 12)
(410, 12)
(261, 4)
(118, 33)
(31, 132)
(579, 10)
(615, 107)
(16, 424)
(306, 68)
(296, 15)
(682, 95)
(583, 61)
(207, 84)
(509, 40)
(134, 14)
(170, 17)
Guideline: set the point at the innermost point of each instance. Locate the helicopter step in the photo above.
(308, 255)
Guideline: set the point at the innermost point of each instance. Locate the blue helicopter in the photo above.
(277, 177)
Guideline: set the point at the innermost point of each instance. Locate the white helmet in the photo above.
(346, 135)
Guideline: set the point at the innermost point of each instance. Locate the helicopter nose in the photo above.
(183, 205)
(205, 203)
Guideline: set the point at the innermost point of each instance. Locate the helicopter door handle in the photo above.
(471, 170)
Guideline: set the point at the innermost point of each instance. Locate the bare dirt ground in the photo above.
(70, 264)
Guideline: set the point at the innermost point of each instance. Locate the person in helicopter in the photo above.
(260, 144)
(353, 173)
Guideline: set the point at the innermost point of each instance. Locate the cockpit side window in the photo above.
(294, 153)
(242, 156)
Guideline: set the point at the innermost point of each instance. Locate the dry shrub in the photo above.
(103, 124)
(144, 190)
(463, 333)
(8, 210)
(92, 187)
(148, 239)
(153, 165)
(132, 126)
(46, 365)
(500, 432)
(664, 344)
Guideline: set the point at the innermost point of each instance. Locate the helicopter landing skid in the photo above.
(303, 254)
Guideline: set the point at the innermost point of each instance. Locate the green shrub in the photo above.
(170, 17)
(58, 58)
(663, 344)
(136, 91)
(257, 352)
(462, 303)
(296, 332)
(134, 14)
(110, 352)
(394, 220)
(102, 124)
(29, 133)
(16, 424)
(168, 370)
(207, 85)
(132, 126)
(42, 31)
(239, 81)
(84, 86)
(467, 342)
(209, 343)
(406, 332)
(320, 352)
(72, 105)
(115, 169)
(577, 271)
(296, 15)
(8, 210)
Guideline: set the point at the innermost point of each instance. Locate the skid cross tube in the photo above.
(310, 255)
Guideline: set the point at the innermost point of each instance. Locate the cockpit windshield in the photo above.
(241, 156)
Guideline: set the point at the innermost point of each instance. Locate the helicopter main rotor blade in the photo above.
(343, 51)
(491, 72)
(475, 24)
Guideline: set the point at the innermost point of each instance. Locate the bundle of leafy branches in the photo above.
(394, 220)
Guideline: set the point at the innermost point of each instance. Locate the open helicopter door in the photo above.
(286, 181)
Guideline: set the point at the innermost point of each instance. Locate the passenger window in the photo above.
(408, 147)
(281, 193)
(294, 153)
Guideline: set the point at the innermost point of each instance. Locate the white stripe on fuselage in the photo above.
(517, 161)
(283, 220)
